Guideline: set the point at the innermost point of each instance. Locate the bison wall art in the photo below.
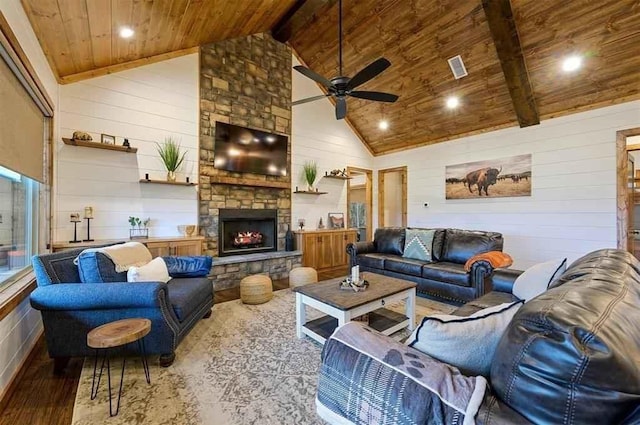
(492, 178)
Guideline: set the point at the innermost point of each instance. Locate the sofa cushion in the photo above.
(188, 266)
(447, 272)
(418, 244)
(490, 299)
(389, 240)
(574, 349)
(96, 267)
(373, 261)
(57, 267)
(186, 294)
(403, 265)
(460, 245)
(467, 343)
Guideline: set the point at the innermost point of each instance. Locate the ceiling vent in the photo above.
(457, 67)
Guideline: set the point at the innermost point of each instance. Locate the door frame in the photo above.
(368, 191)
(622, 197)
(381, 173)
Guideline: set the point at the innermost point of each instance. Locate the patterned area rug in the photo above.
(244, 365)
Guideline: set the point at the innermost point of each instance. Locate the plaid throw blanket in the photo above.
(367, 378)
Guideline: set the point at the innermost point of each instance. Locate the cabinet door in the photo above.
(159, 249)
(325, 251)
(309, 250)
(340, 242)
(186, 248)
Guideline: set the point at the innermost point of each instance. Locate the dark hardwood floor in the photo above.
(42, 398)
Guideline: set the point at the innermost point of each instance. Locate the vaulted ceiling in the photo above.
(81, 35)
(512, 50)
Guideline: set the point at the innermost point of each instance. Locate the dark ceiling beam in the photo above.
(505, 37)
(300, 14)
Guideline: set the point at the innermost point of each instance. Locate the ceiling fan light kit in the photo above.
(342, 87)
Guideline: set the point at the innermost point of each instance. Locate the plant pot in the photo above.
(310, 188)
(171, 176)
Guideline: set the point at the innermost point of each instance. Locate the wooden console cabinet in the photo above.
(325, 250)
(159, 247)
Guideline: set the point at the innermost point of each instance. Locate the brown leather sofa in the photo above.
(445, 277)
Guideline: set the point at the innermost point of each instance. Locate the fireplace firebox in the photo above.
(245, 231)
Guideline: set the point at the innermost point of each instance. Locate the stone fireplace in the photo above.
(247, 231)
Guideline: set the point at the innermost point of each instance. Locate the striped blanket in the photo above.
(367, 378)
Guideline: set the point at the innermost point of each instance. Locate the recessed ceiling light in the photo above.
(453, 102)
(383, 125)
(572, 63)
(126, 32)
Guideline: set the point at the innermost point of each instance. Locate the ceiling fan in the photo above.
(340, 87)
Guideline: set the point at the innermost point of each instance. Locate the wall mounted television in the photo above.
(245, 150)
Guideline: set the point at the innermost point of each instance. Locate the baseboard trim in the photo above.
(19, 373)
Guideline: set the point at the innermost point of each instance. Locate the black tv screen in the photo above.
(246, 150)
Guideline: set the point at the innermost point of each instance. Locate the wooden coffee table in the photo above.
(342, 306)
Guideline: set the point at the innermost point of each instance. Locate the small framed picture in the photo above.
(336, 220)
(107, 139)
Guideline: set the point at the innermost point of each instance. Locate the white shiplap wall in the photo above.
(19, 329)
(572, 209)
(144, 105)
(317, 136)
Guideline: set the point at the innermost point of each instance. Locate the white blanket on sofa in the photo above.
(125, 255)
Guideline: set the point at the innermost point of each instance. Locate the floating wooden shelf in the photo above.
(249, 182)
(168, 182)
(98, 145)
(337, 177)
(306, 192)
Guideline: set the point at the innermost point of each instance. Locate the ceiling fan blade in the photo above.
(341, 108)
(374, 95)
(369, 72)
(310, 74)
(309, 99)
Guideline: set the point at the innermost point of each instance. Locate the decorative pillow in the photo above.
(194, 266)
(536, 279)
(96, 267)
(467, 343)
(418, 244)
(154, 271)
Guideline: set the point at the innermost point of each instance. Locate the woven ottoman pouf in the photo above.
(256, 289)
(302, 276)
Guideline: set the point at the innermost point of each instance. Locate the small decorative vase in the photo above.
(310, 188)
(171, 176)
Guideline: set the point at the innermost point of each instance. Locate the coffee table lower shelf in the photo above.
(383, 320)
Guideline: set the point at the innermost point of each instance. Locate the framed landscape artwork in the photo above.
(493, 178)
(336, 220)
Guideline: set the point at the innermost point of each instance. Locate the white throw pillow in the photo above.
(154, 271)
(467, 343)
(536, 279)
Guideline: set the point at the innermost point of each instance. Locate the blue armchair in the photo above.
(70, 309)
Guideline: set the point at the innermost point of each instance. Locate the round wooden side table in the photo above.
(116, 334)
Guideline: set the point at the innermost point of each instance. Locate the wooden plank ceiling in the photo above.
(417, 36)
(82, 35)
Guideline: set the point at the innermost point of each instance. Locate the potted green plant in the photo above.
(139, 228)
(172, 156)
(310, 172)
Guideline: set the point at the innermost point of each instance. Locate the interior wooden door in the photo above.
(398, 188)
